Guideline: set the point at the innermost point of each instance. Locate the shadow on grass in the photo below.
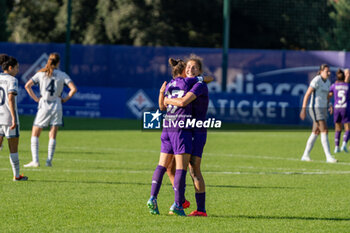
(251, 187)
(149, 184)
(282, 217)
(93, 182)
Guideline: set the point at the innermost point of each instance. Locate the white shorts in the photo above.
(9, 133)
(318, 114)
(44, 118)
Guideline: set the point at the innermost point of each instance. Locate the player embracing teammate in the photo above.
(198, 96)
(184, 144)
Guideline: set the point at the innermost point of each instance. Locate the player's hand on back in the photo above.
(330, 109)
(162, 89)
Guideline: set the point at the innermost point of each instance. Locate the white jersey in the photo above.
(319, 97)
(51, 88)
(8, 84)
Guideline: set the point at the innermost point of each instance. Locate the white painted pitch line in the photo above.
(205, 154)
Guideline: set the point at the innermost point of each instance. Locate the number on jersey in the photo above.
(2, 96)
(175, 94)
(51, 87)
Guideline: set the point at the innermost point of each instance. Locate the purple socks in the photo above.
(346, 136)
(179, 186)
(337, 137)
(157, 180)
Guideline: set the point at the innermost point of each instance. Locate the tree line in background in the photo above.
(256, 24)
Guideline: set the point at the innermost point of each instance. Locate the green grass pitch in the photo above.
(101, 180)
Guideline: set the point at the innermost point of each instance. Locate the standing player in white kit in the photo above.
(51, 82)
(9, 122)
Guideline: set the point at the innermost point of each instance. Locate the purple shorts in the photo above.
(176, 141)
(199, 138)
(341, 115)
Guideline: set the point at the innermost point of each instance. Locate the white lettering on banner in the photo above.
(91, 114)
(256, 109)
(240, 106)
(86, 96)
(271, 109)
(245, 108)
(246, 85)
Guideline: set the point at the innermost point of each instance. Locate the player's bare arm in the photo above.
(330, 106)
(30, 91)
(73, 90)
(12, 104)
(305, 100)
(181, 102)
(208, 79)
(161, 103)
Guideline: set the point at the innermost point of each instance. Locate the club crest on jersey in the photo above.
(139, 103)
(37, 65)
(152, 120)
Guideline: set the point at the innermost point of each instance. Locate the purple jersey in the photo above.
(178, 88)
(199, 112)
(176, 139)
(341, 95)
(200, 104)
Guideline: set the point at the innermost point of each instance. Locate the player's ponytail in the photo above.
(177, 67)
(6, 61)
(51, 64)
(340, 75)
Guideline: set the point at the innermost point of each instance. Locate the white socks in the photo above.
(14, 160)
(34, 145)
(51, 149)
(35, 149)
(310, 143)
(325, 145)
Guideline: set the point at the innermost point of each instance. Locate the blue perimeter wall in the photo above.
(263, 86)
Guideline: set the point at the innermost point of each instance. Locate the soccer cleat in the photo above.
(197, 213)
(20, 178)
(306, 158)
(152, 205)
(32, 164)
(177, 210)
(345, 149)
(331, 160)
(336, 149)
(48, 163)
(186, 204)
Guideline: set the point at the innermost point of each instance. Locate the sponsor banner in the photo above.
(263, 86)
(266, 72)
(135, 103)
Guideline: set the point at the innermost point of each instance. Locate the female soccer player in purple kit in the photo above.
(175, 141)
(199, 97)
(340, 91)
